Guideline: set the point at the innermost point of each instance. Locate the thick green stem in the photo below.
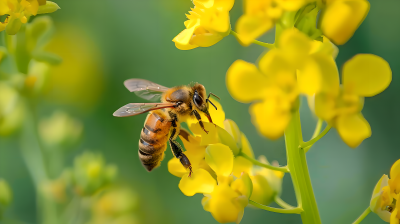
(297, 164)
(362, 216)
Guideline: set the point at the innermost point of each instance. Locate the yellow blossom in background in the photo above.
(207, 23)
(82, 67)
(19, 12)
(364, 75)
(260, 16)
(386, 195)
(341, 18)
(299, 65)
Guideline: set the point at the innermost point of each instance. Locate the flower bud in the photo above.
(266, 184)
(60, 130)
(116, 202)
(11, 110)
(49, 7)
(90, 173)
(378, 204)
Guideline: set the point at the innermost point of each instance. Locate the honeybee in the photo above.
(162, 124)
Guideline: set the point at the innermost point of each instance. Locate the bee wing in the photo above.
(145, 89)
(133, 109)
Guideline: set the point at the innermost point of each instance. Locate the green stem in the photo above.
(34, 159)
(297, 164)
(282, 203)
(317, 128)
(277, 210)
(258, 163)
(307, 145)
(362, 216)
(263, 44)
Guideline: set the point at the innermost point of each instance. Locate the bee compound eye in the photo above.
(197, 99)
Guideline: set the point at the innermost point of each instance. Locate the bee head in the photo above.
(200, 100)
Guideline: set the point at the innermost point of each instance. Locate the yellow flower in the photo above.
(341, 18)
(207, 23)
(223, 179)
(266, 183)
(260, 16)
(386, 196)
(377, 204)
(299, 65)
(19, 12)
(364, 75)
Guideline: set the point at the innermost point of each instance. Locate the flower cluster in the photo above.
(207, 23)
(386, 196)
(19, 12)
(226, 179)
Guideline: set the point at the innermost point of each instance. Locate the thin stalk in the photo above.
(263, 44)
(258, 163)
(277, 210)
(33, 157)
(299, 171)
(307, 145)
(317, 128)
(282, 203)
(362, 216)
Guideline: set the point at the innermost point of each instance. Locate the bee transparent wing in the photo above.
(145, 89)
(133, 109)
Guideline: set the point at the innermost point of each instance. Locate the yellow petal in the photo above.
(225, 5)
(366, 75)
(206, 139)
(262, 190)
(274, 63)
(240, 165)
(232, 128)
(353, 129)
(324, 105)
(394, 217)
(206, 39)
(319, 73)
(222, 204)
(219, 22)
(269, 120)
(245, 83)
(184, 37)
(220, 158)
(204, 3)
(200, 182)
(175, 168)
(395, 169)
(295, 42)
(227, 139)
(246, 147)
(291, 5)
(250, 27)
(342, 18)
(325, 47)
(243, 185)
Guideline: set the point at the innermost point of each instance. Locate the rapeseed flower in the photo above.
(260, 16)
(19, 12)
(386, 195)
(207, 23)
(298, 65)
(219, 172)
(341, 18)
(364, 75)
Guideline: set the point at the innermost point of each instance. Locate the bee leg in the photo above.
(198, 117)
(177, 151)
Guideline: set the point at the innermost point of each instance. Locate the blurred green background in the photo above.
(106, 42)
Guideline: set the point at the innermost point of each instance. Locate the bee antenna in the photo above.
(207, 100)
(213, 95)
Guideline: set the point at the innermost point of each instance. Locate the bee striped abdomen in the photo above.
(153, 139)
